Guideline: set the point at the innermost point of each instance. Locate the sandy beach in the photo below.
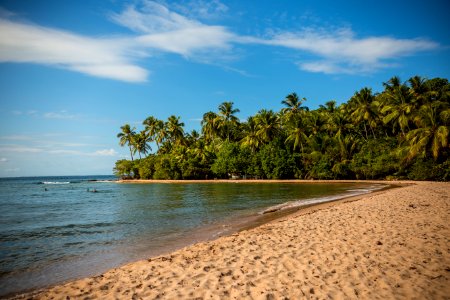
(393, 244)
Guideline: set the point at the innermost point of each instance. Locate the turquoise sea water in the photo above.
(54, 229)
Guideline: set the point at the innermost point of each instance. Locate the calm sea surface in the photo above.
(54, 229)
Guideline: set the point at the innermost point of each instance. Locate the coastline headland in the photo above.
(388, 244)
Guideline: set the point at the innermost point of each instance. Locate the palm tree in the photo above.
(418, 86)
(392, 83)
(175, 130)
(337, 124)
(398, 107)
(268, 125)
(227, 118)
(192, 137)
(364, 109)
(432, 134)
(296, 132)
(162, 135)
(126, 136)
(210, 125)
(141, 143)
(251, 139)
(293, 103)
(330, 106)
(152, 128)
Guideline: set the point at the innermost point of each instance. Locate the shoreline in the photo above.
(286, 216)
(149, 181)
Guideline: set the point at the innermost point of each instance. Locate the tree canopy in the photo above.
(400, 133)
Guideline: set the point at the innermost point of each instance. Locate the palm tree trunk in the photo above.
(373, 133)
(365, 130)
(131, 153)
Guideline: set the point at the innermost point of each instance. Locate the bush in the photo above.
(429, 170)
(166, 167)
(375, 160)
(126, 169)
(276, 162)
(147, 167)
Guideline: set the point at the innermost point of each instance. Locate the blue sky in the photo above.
(73, 72)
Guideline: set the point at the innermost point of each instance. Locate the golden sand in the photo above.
(390, 245)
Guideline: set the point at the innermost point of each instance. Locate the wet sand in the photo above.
(390, 244)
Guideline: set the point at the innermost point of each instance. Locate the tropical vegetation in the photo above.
(399, 133)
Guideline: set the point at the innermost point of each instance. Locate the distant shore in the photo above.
(389, 244)
(401, 182)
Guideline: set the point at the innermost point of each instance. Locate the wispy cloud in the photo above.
(203, 9)
(101, 57)
(3, 160)
(105, 152)
(164, 30)
(181, 29)
(24, 149)
(19, 149)
(16, 137)
(340, 51)
(63, 114)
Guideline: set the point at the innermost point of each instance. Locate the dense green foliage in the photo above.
(400, 133)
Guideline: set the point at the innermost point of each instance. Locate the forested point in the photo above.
(400, 133)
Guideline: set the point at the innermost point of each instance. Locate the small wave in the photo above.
(55, 182)
(305, 202)
(103, 180)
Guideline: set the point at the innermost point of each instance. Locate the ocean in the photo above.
(54, 229)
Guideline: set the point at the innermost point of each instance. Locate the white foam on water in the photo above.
(310, 201)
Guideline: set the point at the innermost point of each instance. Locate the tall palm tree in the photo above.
(398, 107)
(296, 132)
(227, 118)
(162, 135)
(126, 137)
(152, 128)
(364, 109)
(192, 137)
(432, 134)
(175, 130)
(337, 124)
(268, 125)
(330, 106)
(293, 103)
(209, 125)
(418, 86)
(141, 143)
(251, 138)
(392, 83)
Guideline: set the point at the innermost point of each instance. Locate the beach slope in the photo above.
(394, 244)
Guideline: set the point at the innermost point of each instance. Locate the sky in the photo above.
(72, 72)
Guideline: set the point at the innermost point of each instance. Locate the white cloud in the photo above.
(156, 27)
(189, 40)
(109, 58)
(151, 17)
(165, 30)
(16, 137)
(63, 115)
(203, 9)
(3, 160)
(341, 52)
(19, 149)
(106, 152)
